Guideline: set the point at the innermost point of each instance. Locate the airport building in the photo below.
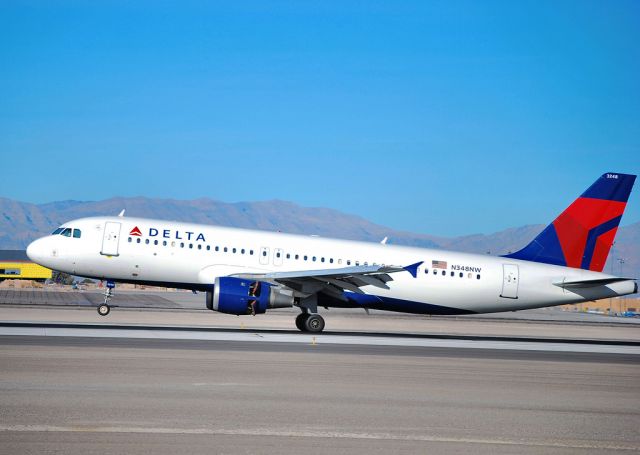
(16, 265)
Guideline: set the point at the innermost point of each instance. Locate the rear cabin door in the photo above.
(111, 239)
(510, 279)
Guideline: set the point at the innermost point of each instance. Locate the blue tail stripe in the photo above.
(611, 187)
(592, 238)
(544, 248)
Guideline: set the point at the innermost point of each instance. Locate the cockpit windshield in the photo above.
(68, 232)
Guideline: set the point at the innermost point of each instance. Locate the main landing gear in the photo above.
(310, 322)
(104, 308)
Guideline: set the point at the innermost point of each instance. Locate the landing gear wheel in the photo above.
(314, 323)
(300, 320)
(104, 309)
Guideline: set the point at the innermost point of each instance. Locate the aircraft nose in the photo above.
(36, 251)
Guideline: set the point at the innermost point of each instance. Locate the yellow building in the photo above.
(15, 265)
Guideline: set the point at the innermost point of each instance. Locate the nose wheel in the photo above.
(104, 309)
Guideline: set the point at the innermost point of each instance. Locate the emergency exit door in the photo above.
(111, 239)
(510, 281)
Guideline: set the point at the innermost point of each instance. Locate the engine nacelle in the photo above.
(239, 296)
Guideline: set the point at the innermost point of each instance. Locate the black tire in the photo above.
(314, 323)
(104, 309)
(300, 320)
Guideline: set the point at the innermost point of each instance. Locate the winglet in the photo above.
(121, 214)
(384, 240)
(413, 268)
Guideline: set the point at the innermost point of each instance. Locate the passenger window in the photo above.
(76, 233)
(191, 245)
(199, 246)
(288, 256)
(305, 258)
(339, 261)
(264, 253)
(278, 254)
(233, 251)
(208, 247)
(331, 261)
(130, 240)
(426, 271)
(242, 251)
(146, 241)
(314, 259)
(444, 272)
(138, 240)
(348, 261)
(164, 243)
(297, 257)
(217, 248)
(181, 244)
(226, 249)
(435, 272)
(453, 273)
(461, 274)
(155, 242)
(478, 277)
(321, 259)
(250, 252)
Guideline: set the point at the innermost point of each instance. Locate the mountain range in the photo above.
(22, 222)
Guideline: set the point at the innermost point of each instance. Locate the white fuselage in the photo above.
(192, 256)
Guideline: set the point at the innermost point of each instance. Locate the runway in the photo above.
(175, 393)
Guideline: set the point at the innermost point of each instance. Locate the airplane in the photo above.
(248, 272)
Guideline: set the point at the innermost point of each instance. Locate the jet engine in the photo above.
(239, 296)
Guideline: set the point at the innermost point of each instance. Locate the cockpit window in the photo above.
(66, 232)
(57, 231)
(76, 233)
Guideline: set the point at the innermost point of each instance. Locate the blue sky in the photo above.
(447, 117)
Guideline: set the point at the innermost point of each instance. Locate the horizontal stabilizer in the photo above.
(590, 283)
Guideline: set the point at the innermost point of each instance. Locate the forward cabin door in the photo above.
(510, 280)
(111, 239)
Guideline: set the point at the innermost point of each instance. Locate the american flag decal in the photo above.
(438, 264)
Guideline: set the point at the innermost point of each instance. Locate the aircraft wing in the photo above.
(334, 281)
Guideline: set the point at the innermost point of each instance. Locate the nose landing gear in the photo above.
(104, 308)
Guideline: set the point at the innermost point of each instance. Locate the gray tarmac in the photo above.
(199, 382)
(123, 395)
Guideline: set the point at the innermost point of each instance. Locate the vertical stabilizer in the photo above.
(582, 235)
